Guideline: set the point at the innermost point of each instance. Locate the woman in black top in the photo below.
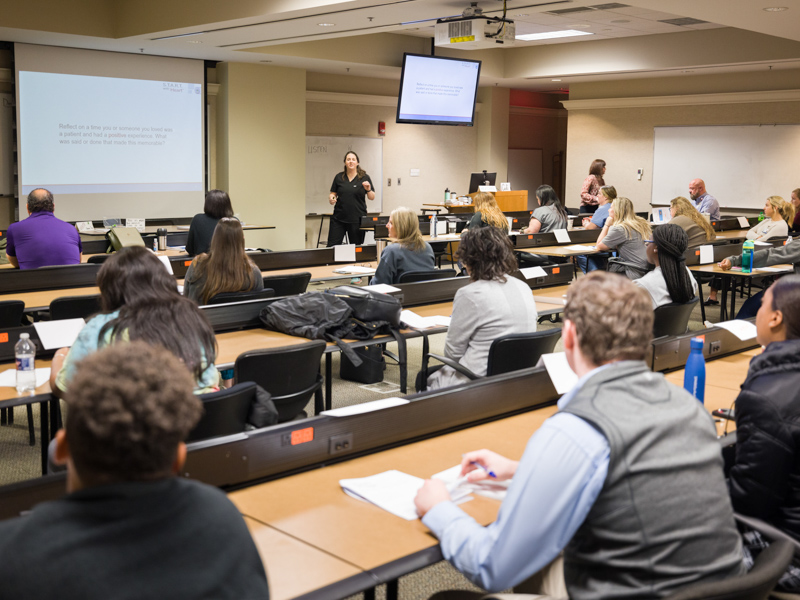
(349, 192)
(217, 206)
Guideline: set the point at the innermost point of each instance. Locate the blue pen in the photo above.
(480, 466)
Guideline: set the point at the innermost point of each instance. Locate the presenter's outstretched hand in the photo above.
(485, 464)
(332, 199)
(432, 492)
(367, 186)
(725, 264)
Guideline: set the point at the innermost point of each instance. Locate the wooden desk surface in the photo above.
(566, 250)
(714, 268)
(363, 534)
(151, 229)
(732, 234)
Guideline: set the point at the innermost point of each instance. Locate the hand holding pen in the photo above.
(485, 464)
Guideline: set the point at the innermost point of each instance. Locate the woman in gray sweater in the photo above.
(493, 305)
(409, 252)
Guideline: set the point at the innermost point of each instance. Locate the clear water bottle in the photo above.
(25, 352)
(434, 224)
(747, 256)
(694, 376)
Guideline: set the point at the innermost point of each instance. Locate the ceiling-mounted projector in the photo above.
(473, 31)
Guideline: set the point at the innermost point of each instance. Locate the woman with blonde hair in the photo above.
(226, 267)
(625, 233)
(487, 212)
(409, 252)
(780, 215)
(685, 216)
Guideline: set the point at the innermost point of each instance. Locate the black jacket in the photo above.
(765, 479)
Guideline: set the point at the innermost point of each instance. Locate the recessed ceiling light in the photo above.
(620, 21)
(265, 61)
(193, 42)
(549, 35)
(580, 26)
(555, 80)
(687, 71)
(326, 24)
(521, 15)
(776, 8)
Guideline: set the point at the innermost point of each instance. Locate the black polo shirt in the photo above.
(352, 202)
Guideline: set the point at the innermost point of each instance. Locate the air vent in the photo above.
(569, 11)
(610, 6)
(683, 21)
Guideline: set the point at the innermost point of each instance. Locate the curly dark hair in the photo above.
(487, 253)
(130, 405)
(40, 200)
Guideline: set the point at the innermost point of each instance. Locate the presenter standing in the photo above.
(349, 192)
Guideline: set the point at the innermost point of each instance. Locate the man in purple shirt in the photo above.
(42, 240)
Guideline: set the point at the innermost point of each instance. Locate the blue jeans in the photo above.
(592, 262)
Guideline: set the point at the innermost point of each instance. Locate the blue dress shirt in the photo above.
(558, 480)
(707, 204)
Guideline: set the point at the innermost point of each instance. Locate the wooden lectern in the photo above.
(510, 201)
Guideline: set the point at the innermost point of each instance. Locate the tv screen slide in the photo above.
(438, 91)
(113, 146)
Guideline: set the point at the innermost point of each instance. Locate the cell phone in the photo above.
(724, 413)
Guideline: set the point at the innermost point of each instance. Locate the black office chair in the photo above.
(11, 312)
(226, 297)
(439, 250)
(416, 276)
(288, 285)
(98, 258)
(225, 412)
(290, 374)
(74, 307)
(673, 318)
(506, 354)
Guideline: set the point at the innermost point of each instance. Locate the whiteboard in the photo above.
(741, 164)
(325, 158)
(525, 172)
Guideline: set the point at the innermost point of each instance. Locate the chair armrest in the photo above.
(455, 365)
(768, 531)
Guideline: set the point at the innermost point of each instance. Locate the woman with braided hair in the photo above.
(671, 280)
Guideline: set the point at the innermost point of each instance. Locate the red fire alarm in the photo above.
(381, 128)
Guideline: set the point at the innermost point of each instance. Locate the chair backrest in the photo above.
(11, 312)
(415, 276)
(74, 307)
(224, 412)
(290, 374)
(755, 585)
(288, 285)
(226, 297)
(520, 350)
(673, 318)
(98, 258)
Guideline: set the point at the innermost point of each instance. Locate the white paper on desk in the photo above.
(180, 289)
(488, 487)
(774, 269)
(562, 236)
(137, 224)
(412, 319)
(531, 272)
(85, 226)
(760, 243)
(562, 376)
(344, 253)
(365, 407)
(58, 334)
(449, 236)
(580, 248)
(393, 491)
(167, 265)
(383, 288)
(743, 222)
(9, 378)
(441, 227)
(744, 330)
(487, 188)
(183, 227)
(706, 254)
(354, 270)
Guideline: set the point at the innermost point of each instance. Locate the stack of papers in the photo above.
(355, 270)
(488, 488)
(774, 269)
(365, 407)
(383, 288)
(580, 248)
(415, 321)
(393, 491)
(744, 330)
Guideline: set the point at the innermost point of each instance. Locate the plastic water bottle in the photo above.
(761, 216)
(694, 376)
(747, 256)
(446, 195)
(25, 352)
(434, 223)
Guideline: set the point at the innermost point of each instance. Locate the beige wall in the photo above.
(492, 125)
(261, 149)
(623, 137)
(535, 128)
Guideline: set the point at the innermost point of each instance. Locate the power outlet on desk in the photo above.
(715, 348)
(340, 443)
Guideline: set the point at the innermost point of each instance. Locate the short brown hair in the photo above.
(613, 318)
(130, 405)
(40, 200)
(487, 253)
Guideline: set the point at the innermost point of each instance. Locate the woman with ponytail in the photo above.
(671, 280)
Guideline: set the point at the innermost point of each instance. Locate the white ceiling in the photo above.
(266, 24)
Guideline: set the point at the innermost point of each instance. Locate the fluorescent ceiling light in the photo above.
(530, 37)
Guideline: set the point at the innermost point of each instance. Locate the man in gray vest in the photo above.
(625, 480)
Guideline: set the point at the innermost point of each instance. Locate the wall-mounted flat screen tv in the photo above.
(438, 91)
